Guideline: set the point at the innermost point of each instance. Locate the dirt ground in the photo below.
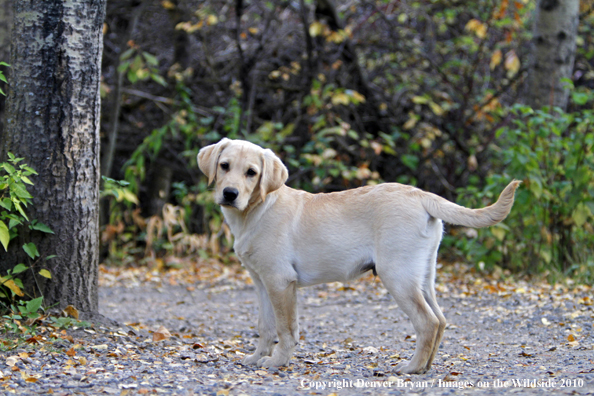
(501, 336)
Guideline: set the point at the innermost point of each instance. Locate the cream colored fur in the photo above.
(288, 238)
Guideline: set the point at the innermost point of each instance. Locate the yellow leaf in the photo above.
(498, 232)
(496, 59)
(570, 338)
(253, 30)
(411, 122)
(315, 29)
(358, 97)
(581, 214)
(477, 27)
(337, 37)
(340, 98)
(130, 197)
(420, 99)
(12, 286)
(168, 5)
(212, 20)
(437, 109)
(45, 273)
(512, 63)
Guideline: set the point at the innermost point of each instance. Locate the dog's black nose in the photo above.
(230, 194)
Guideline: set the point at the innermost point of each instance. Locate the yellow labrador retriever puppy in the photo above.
(288, 238)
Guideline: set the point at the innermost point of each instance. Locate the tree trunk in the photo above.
(52, 120)
(555, 31)
(5, 30)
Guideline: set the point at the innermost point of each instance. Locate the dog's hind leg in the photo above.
(429, 294)
(283, 296)
(266, 323)
(403, 277)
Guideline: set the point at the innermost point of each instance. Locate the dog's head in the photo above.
(244, 173)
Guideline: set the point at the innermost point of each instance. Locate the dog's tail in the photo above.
(451, 213)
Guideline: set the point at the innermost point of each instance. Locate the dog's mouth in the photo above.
(227, 204)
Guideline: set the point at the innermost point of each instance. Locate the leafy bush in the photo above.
(550, 227)
(14, 197)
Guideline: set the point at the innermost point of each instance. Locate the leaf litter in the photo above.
(185, 331)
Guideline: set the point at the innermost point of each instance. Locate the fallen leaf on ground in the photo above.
(161, 334)
(71, 312)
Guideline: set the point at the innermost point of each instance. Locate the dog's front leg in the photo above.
(266, 323)
(283, 296)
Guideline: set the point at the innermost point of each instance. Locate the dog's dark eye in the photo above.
(224, 166)
(251, 172)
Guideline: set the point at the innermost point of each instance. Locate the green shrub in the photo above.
(550, 227)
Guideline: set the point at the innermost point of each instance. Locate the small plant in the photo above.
(140, 65)
(14, 198)
(64, 322)
(3, 77)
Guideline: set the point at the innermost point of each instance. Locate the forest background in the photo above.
(444, 95)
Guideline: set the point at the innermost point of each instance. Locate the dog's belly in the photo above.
(320, 263)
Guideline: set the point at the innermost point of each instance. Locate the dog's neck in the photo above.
(238, 220)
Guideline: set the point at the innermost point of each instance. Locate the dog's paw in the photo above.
(251, 359)
(273, 361)
(404, 368)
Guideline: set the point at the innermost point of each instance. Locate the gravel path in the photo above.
(501, 337)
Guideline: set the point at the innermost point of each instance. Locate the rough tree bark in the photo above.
(555, 31)
(5, 29)
(52, 120)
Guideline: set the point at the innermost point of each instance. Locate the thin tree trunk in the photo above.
(52, 120)
(107, 160)
(5, 31)
(555, 31)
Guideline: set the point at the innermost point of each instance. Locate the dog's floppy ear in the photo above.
(274, 173)
(209, 156)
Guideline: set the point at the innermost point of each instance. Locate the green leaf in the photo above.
(31, 250)
(127, 54)
(4, 64)
(20, 191)
(6, 203)
(17, 205)
(19, 268)
(580, 98)
(41, 227)
(150, 59)
(157, 78)
(4, 235)
(410, 161)
(13, 223)
(9, 168)
(34, 305)
(26, 180)
(123, 66)
(29, 169)
(45, 273)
